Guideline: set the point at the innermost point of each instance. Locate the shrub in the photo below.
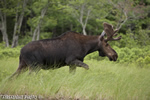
(143, 62)
(9, 52)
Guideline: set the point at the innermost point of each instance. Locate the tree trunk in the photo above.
(81, 18)
(84, 32)
(38, 33)
(18, 24)
(3, 28)
(16, 32)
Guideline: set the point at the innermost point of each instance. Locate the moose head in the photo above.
(105, 49)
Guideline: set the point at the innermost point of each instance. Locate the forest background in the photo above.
(22, 21)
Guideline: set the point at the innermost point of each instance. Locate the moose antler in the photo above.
(110, 32)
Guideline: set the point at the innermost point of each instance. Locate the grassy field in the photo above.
(104, 80)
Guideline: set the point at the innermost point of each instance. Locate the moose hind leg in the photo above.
(22, 68)
(35, 69)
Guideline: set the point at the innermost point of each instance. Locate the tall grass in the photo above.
(104, 80)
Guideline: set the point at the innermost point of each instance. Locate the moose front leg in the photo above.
(78, 63)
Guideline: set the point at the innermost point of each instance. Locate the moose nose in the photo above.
(113, 58)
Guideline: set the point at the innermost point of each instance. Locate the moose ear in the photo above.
(101, 38)
(102, 35)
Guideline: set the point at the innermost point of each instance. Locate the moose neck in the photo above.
(91, 44)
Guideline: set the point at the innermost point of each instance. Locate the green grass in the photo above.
(104, 80)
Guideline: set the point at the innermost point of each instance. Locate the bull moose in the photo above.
(68, 49)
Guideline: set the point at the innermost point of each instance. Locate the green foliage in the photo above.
(144, 62)
(25, 40)
(49, 23)
(140, 56)
(95, 56)
(127, 40)
(45, 35)
(9, 52)
(143, 37)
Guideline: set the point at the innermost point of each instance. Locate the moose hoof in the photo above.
(86, 67)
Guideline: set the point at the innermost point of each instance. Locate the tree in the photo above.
(84, 23)
(81, 13)
(18, 21)
(127, 10)
(3, 22)
(36, 33)
(83, 10)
